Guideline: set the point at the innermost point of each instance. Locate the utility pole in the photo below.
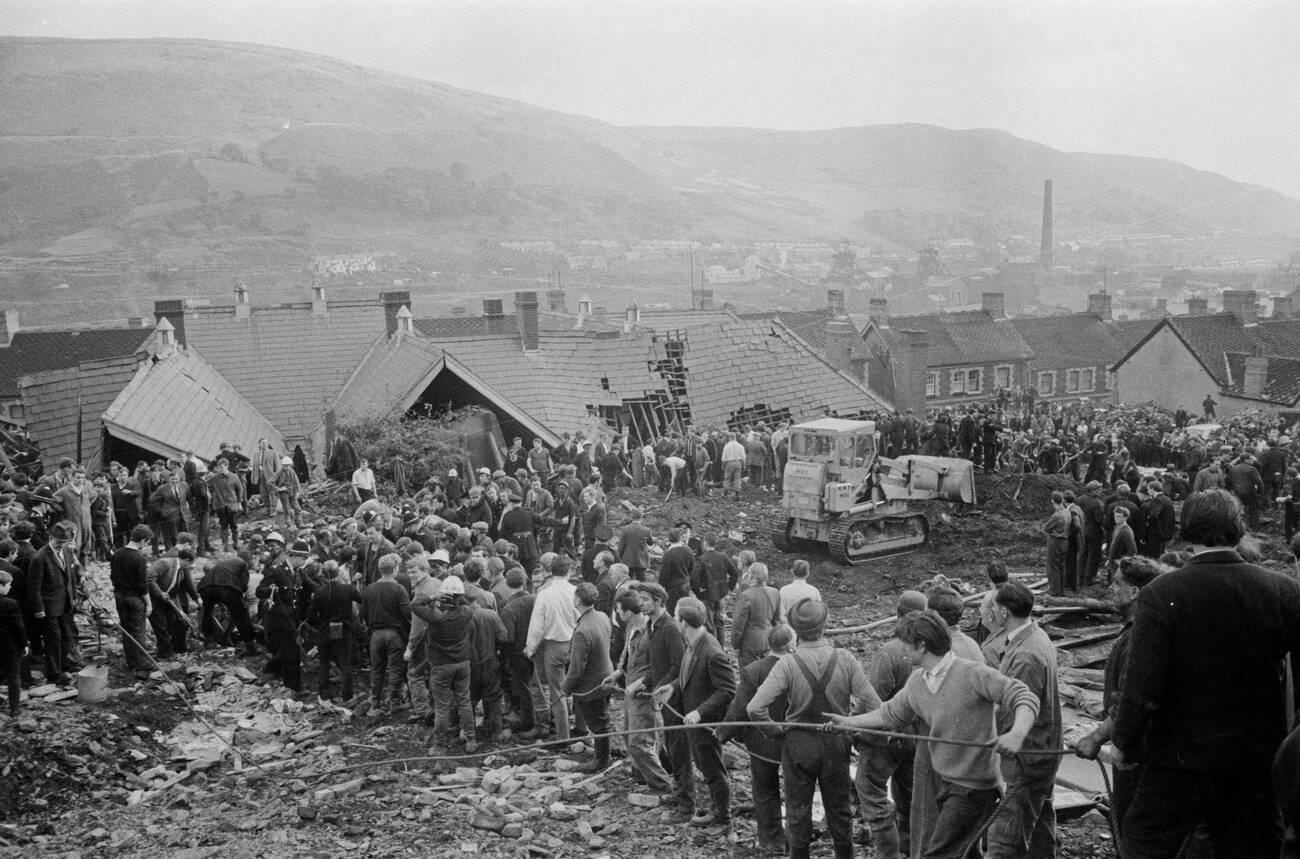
(691, 275)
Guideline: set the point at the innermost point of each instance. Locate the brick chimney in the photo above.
(1254, 376)
(840, 335)
(631, 317)
(243, 308)
(1162, 307)
(878, 310)
(835, 302)
(1099, 305)
(1283, 306)
(526, 318)
(703, 299)
(394, 301)
(994, 304)
(173, 310)
(555, 301)
(8, 327)
(1242, 303)
(1198, 306)
(911, 362)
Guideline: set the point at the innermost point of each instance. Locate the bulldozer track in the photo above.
(912, 531)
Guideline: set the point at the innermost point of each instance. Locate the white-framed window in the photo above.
(966, 381)
(974, 381)
(1087, 380)
(1002, 376)
(1072, 381)
(957, 382)
(1046, 383)
(931, 385)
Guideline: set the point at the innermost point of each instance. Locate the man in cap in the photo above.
(520, 525)
(817, 680)
(287, 487)
(885, 766)
(280, 618)
(423, 586)
(701, 692)
(1094, 529)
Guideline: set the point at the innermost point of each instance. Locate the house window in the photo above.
(1047, 383)
(1072, 381)
(957, 382)
(1002, 376)
(974, 381)
(1087, 380)
(931, 385)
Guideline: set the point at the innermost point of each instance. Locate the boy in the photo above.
(13, 641)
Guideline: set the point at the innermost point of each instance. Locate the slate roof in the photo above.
(1209, 338)
(1278, 336)
(1063, 342)
(810, 326)
(63, 407)
(458, 327)
(1132, 331)
(968, 337)
(33, 352)
(177, 402)
(288, 362)
(728, 366)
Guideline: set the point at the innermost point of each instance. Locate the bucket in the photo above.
(92, 684)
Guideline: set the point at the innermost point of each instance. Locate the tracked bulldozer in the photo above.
(839, 492)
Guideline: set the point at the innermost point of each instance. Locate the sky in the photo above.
(1210, 83)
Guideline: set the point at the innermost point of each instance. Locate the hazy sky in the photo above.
(1207, 82)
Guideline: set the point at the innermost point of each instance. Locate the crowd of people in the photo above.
(500, 602)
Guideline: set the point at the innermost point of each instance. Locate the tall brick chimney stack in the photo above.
(1099, 304)
(1198, 306)
(526, 318)
(1045, 249)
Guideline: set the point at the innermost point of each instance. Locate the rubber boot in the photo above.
(601, 760)
(885, 840)
(845, 851)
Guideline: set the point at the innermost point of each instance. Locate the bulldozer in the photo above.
(838, 490)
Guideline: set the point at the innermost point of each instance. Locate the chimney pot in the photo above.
(555, 301)
(319, 307)
(1242, 303)
(584, 306)
(173, 310)
(393, 301)
(1198, 306)
(878, 310)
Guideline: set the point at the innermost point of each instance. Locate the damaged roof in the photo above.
(1209, 338)
(177, 402)
(716, 369)
(1063, 342)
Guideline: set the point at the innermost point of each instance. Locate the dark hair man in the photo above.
(957, 699)
(1203, 698)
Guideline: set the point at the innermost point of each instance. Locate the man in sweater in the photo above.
(1025, 822)
(129, 572)
(387, 610)
(423, 586)
(817, 680)
(957, 699)
(798, 589)
(448, 617)
(226, 499)
(639, 714)
(589, 665)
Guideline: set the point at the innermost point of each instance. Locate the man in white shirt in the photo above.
(549, 634)
(797, 589)
(733, 465)
(363, 482)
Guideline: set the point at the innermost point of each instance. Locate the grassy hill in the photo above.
(169, 166)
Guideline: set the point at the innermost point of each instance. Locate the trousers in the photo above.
(813, 761)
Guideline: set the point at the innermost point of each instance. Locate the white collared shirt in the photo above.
(935, 676)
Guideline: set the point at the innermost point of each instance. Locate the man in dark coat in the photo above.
(1272, 468)
(1161, 524)
(1203, 702)
(53, 577)
(1248, 486)
(589, 665)
(701, 693)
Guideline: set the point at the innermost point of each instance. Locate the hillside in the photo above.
(130, 166)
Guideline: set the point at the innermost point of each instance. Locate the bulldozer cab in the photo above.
(829, 464)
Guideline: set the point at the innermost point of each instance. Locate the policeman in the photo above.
(279, 588)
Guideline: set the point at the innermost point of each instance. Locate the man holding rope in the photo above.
(957, 699)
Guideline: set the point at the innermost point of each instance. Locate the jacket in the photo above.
(1203, 686)
(589, 657)
(51, 581)
(706, 683)
(757, 608)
